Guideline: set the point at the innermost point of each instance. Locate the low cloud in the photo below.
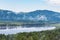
(53, 2)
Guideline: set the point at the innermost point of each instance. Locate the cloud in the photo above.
(53, 2)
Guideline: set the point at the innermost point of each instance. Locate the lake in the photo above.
(19, 29)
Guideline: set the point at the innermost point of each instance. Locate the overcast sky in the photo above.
(30, 5)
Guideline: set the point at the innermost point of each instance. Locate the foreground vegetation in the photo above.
(43, 35)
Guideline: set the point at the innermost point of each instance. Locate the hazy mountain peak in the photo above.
(34, 15)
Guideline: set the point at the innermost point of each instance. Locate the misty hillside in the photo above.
(38, 15)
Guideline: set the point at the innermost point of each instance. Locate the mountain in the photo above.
(38, 15)
(42, 15)
(7, 15)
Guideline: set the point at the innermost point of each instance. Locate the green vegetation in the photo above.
(20, 23)
(57, 25)
(10, 23)
(43, 35)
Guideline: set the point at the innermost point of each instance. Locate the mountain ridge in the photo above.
(38, 15)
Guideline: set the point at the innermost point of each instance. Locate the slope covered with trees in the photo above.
(43, 35)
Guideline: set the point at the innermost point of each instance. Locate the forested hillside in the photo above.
(43, 35)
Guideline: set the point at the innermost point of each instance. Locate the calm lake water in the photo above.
(23, 29)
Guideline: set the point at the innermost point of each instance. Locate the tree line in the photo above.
(43, 35)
